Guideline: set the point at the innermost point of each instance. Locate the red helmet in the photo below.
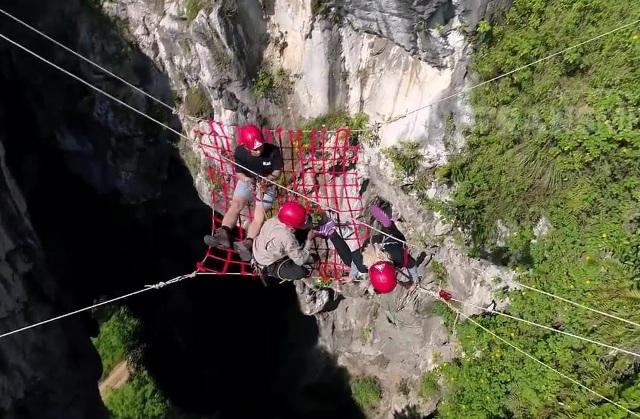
(383, 277)
(293, 215)
(250, 137)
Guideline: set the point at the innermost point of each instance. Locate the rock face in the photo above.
(51, 372)
(394, 60)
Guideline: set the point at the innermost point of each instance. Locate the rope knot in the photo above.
(157, 286)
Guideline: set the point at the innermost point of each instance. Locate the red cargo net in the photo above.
(319, 164)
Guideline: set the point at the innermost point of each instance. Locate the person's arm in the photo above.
(277, 164)
(273, 176)
(300, 255)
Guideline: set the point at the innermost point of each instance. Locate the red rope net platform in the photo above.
(318, 164)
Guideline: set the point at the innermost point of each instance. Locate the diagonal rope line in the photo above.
(580, 305)
(87, 60)
(115, 76)
(528, 355)
(348, 218)
(122, 297)
(223, 157)
(551, 329)
(515, 70)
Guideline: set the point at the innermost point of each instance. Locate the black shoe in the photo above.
(219, 239)
(244, 249)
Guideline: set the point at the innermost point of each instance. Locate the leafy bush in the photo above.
(320, 8)
(193, 7)
(440, 273)
(428, 385)
(342, 119)
(366, 392)
(119, 336)
(139, 397)
(273, 85)
(405, 157)
(559, 140)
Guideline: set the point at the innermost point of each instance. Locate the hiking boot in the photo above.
(244, 249)
(326, 229)
(219, 239)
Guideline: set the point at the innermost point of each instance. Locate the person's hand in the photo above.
(311, 234)
(261, 186)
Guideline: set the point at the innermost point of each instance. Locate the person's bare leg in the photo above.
(245, 247)
(221, 238)
(231, 216)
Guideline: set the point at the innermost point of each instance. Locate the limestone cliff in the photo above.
(50, 372)
(58, 141)
(384, 58)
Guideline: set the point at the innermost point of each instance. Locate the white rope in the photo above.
(580, 305)
(222, 156)
(122, 297)
(515, 70)
(551, 329)
(131, 85)
(540, 362)
(82, 57)
(348, 218)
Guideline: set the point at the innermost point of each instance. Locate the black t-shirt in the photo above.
(270, 160)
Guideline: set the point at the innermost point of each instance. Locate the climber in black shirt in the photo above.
(261, 158)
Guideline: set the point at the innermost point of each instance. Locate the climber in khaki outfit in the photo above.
(276, 250)
(264, 159)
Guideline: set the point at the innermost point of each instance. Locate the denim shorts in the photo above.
(245, 191)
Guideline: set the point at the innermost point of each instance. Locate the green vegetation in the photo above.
(405, 157)
(191, 160)
(367, 334)
(440, 273)
(273, 85)
(407, 160)
(328, 10)
(119, 339)
(366, 392)
(139, 397)
(119, 336)
(442, 310)
(196, 102)
(342, 119)
(429, 385)
(324, 283)
(193, 7)
(320, 8)
(560, 140)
